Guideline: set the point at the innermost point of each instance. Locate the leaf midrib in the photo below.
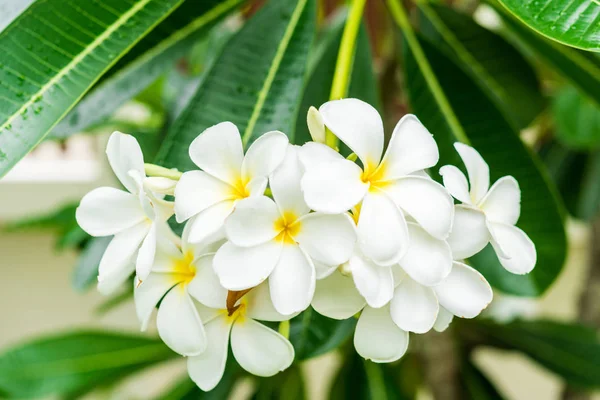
(78, 59)
(275, 64)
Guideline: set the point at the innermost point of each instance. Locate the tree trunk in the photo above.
(589, 302)
(441, 362)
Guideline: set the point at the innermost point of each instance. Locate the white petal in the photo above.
(443, 320)
(218, 151)
(411, 149)
(312, 154)
(478, 170)
(328, 238)
(515, 250)
(106, 211)
(205, 286)
(206, 369)
(456, 183)
(209, 222)
(161, 185)
(259, 305)
(382, 231)
(377, 338)
(110, 283)
(148, 293)
(334, 187)
(196, 191)
(469, 232)
(322, 270)
(121, 250)
(503, 202)
(285, 184)
(465, 292)
(253, 222)
(428, 202)
(428, 260)
(316, 127)
(240, 268)
(292, 282)
(179, 325)
(257, 186)
(337, 297)
(358, 125)
(414, 307)
(375, 283)
(124, 154)
(260, 350)
(264, 155)
(145, 257)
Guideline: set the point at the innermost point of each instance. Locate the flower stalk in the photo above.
(157, 170)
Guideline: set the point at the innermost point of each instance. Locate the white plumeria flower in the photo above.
(427, 260)
(388, 187)
(135, 218)
(257, 348)
(487, 215)
(281, 240)
(179, 275)
(208, 196)
(382, 333)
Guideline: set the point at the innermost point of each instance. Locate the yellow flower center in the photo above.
(375, 175)
(288, 226)
(239, 189)
(183, 269)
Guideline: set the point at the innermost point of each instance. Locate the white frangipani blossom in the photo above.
(487, 214)
(180, 273)
(282, 240)
(135, 218)
(207, 197)
(257, 348)
(387, 186)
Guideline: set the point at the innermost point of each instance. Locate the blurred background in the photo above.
(48, 264)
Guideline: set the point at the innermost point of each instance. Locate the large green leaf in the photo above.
(577, 177)
(580, 68)
(363, 84)
(572, 22)
(75, 362)
(571, 351)
(476, 385)
(287, 385)
(256, 83)
(577, 119)
(313, 334)
(53, 53)
(154, 54)
(497, 67)
(493, 136)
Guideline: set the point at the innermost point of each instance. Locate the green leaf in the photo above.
(322, 62)
(580, 68)
(493, 136)
(477, 386)
(288, 385)
(186, 389)
(569, 350)
(256, 83)
(365, 380)
(497, 67)
(158, 51)
(577, 119)
(86, 269)
(53, 53)
(73, 362)
(574, 23)
(577, 177)
(313, 334)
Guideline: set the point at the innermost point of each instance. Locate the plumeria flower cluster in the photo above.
(280, 228)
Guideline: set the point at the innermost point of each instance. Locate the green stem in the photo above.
(401, 18)
(345, 59)
(157, 170)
